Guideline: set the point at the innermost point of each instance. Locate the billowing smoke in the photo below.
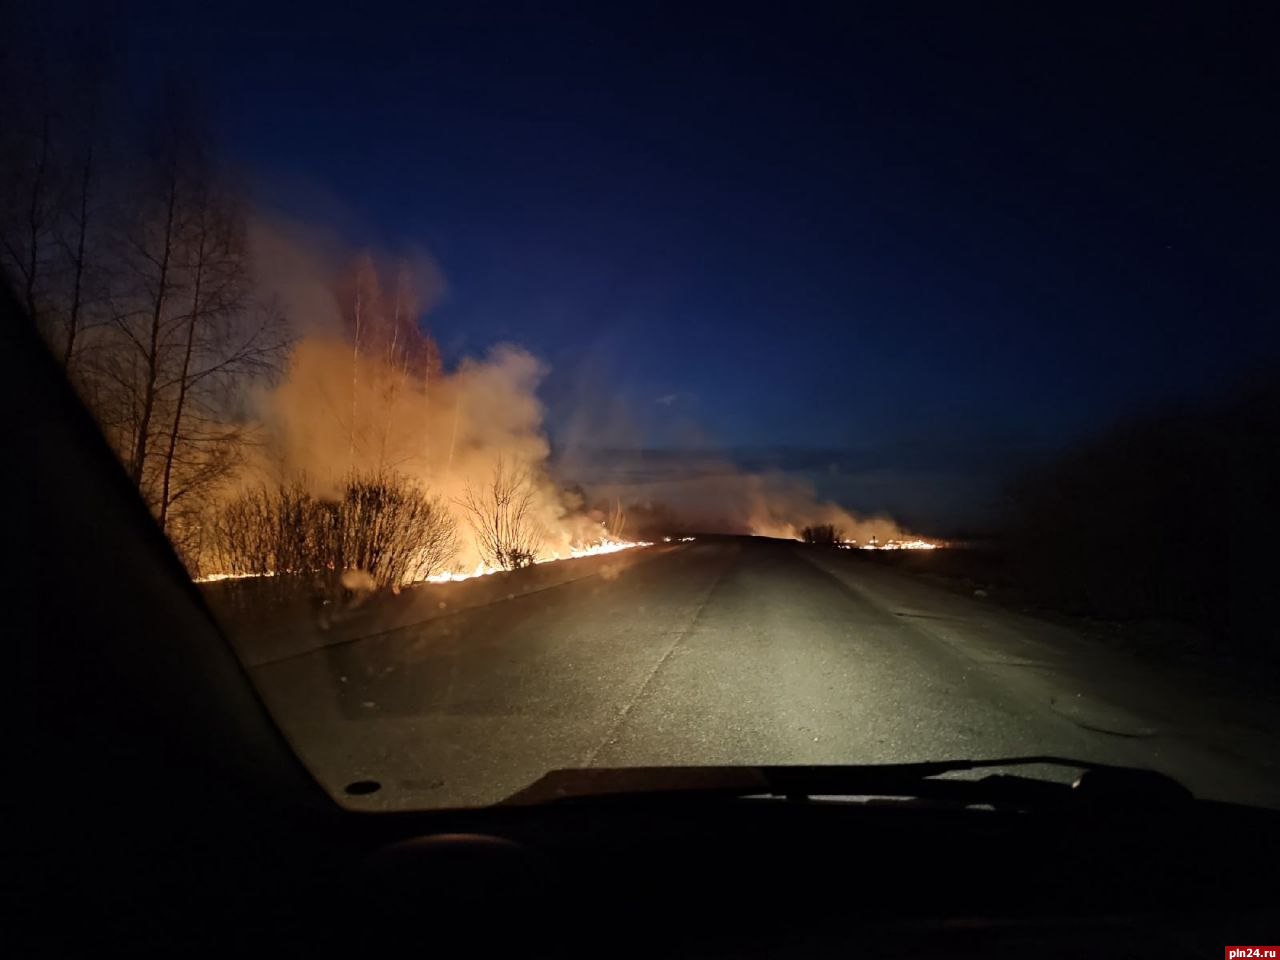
(364, 392)
(696, 493)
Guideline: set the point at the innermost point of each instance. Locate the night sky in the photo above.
(926, 240)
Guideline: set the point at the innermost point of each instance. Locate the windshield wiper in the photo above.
(1097, 785)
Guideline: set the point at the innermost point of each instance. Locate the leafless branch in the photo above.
(501, 514)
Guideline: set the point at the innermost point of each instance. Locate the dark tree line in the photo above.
(824, 534)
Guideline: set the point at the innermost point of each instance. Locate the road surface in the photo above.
(742, 651)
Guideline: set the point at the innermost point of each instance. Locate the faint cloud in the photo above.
(667, 399)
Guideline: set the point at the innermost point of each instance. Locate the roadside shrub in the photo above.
(389, 528)
(382, 524)
(502, 516)
(823, 534)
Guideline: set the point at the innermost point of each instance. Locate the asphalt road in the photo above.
(744, 652)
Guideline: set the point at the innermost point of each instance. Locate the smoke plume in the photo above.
(688, 493)
(364, 392)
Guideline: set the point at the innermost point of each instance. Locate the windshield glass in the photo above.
(645, 389)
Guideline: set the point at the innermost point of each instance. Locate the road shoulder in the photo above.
(1073, 672)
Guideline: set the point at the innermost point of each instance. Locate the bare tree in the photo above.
(147, 323)
(141, 284)
(390, 358)
(51, 193)
(366, 282)
(38, 223)
(226, 339)
(76, 250)
(616, 522)
(502, 516)
(78, 235)
(29, 189)
(188, 331)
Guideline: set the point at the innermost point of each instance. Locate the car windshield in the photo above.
(528, 391)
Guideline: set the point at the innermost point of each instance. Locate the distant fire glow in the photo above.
(874, 544)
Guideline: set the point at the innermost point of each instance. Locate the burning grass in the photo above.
(381, 531)
(605, 545)
(829, 535)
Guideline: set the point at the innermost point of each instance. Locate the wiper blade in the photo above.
(1098, 783)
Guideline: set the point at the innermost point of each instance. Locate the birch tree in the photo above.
(190, 332)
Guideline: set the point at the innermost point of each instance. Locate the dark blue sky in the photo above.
(904, 228)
